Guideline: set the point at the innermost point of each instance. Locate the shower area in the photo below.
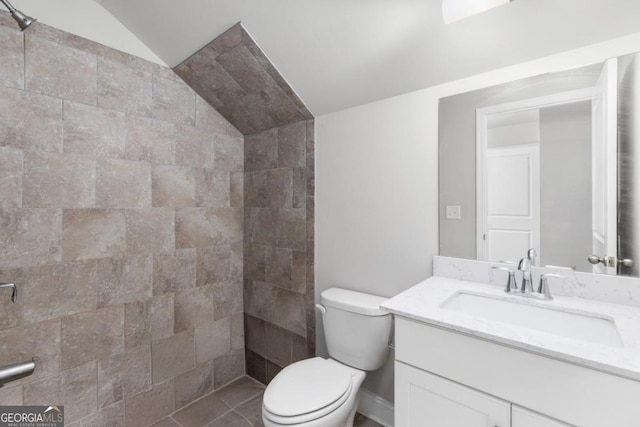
(161, 247)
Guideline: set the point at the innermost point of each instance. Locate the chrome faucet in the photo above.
(543, 287)
(531, 256)
(511, 280)
(525, 266)
(526, 286)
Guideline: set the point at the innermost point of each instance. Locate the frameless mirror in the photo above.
(547, 163)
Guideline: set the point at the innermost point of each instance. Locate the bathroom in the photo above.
(167, 240)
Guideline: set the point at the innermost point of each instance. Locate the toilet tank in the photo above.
(356, 330)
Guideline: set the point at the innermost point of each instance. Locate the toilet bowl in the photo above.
(320, 392)
(313, 393)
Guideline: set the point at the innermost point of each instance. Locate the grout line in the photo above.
(97, 77)
(62, 146)
(244, 418)
(195, 104)
(217, 418)
(245, 401)
(24, 61)
(255, 381)
(169, 417)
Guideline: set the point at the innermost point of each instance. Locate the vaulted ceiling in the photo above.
(342, 53)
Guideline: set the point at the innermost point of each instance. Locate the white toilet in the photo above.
(321, 392)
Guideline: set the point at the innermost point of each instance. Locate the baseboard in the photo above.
(376, 408)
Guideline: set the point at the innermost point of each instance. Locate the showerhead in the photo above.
(23, 20)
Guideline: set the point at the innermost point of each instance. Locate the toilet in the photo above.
(320, 392)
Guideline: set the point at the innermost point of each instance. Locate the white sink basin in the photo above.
(523, 314)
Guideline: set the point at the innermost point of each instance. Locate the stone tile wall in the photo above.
(121, 222)
(236, 77)
(278, 249)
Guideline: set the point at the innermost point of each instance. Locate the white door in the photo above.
(510, 203)
(522, 417)
(426, 400)
(604, 168)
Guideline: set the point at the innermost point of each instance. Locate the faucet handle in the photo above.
(511, 281)
(543, 287)
(14, 292)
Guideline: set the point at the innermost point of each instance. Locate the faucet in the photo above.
(531, 255)
(525, 266)
(526, 288)
(511, 280)
(543, 288)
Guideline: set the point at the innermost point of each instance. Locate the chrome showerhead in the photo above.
(23, 20)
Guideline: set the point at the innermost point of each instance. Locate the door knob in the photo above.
(610, 261)
(595, 260)
(627, 262)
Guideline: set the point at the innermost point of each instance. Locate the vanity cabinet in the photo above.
(521, 417)
(424, 400)
(446, 378)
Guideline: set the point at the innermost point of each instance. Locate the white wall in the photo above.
(88, 19)
(377, 187)
(376, 202)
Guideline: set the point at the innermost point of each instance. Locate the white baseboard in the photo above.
(376, 408)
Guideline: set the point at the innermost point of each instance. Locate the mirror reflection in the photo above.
(536, 164)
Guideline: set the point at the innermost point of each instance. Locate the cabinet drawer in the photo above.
(521, 417)
(568, 392)
(426, 400)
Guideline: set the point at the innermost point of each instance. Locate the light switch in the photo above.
(454, 212)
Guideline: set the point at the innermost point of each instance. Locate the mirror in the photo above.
(546, 163)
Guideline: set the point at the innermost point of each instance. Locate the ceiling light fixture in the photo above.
(455, 10)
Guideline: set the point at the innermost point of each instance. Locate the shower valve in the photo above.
(14, 292)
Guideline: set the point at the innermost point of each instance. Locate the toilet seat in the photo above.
(307, 390)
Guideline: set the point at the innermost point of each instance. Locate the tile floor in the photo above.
(238, 404)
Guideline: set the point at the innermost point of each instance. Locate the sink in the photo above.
(523, 314)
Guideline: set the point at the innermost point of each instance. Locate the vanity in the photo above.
(545, 166)
(469, 354)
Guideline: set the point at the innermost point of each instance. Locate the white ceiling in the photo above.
(338, 54)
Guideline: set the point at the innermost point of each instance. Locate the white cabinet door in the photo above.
(426, 400)
(524, 418)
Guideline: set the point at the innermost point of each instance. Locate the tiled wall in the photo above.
(278, 258)
(235, 76)
(121, 222)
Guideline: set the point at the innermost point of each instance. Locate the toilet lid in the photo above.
(307, 386)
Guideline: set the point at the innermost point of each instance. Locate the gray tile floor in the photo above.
(238, 404)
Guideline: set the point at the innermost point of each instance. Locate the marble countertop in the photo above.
(423, 302)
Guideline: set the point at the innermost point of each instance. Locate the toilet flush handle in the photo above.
(321, 309)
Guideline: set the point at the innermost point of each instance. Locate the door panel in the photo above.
(522, 417)
(512, 197)
(426, 400)
(507, 244)
(509, 183)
